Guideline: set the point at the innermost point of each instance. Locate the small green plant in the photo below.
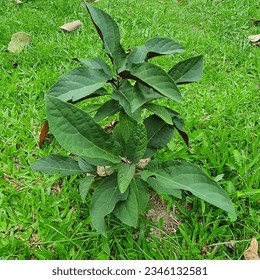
(118, 160)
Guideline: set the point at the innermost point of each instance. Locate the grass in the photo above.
(42, 217)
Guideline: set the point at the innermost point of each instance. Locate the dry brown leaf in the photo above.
(102, 171)
(19, 41)
(143, 162)
(71, 26)
(254, 38)
(109, 127)
(251, 253)
(231, 244)
(43, 133)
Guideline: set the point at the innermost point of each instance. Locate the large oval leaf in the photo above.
(159, 133)
(97, 63)
(162, 46)
(103, 202)
(86, 166)
(187, 71)
(154, 77)
(142, 194)
(57, 164)
(85, 186)
(125, 175)
(175, 175)
(136, 144)
(126, 126)
(160, 111)
(143, 94)
(109, 34)
(153, 47)
(85, 161)
(108, 108)
(179, 125)
(77, 132)
(125, 98)
(78, 83)
(127, 211)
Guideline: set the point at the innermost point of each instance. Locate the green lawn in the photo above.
(42, 217)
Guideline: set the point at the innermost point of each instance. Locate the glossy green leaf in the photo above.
(142, 194)
(162, 46)
(103, 202)
(125, 98)
(179, 125)
(125, 175)
(153, 47)
(109, 108)
(161, 189)
(109, 34)
(91, 107)
(172, 175)
(143, 94)
(98, 64)
(86, 166)
(77, 132)
(159, 133)
(57, 164)
(94, 162)
(126, 126)
(127, 210)
(78, 83)
(187, 71)
(136, 144)
(85, 186)
(160, 111)
(156, 78)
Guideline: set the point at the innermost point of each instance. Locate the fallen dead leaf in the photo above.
(18, 2)
(231, 244)
(34, 241)
(143, 162)
(19, 41)
(255, 39)
(92, 1)
(55, 189)
(71, 26)
(251, 253)
(102, 171)
(108, 128)
(43, 133)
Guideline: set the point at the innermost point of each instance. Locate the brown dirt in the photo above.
(158, 212)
